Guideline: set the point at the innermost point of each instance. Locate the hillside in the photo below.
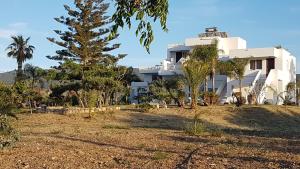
(8, 77)
(250, 137)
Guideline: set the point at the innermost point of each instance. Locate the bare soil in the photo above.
(250, 137)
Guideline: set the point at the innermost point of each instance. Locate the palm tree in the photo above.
(20, 50)
(35, 73)
(210, 55)
(195, 72)
(236, 69)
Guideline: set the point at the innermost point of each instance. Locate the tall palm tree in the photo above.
(210, 55)
(195, 72)
(21, 51)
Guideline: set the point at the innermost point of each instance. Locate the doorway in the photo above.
(270, 65)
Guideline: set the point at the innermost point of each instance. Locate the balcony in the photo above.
(150, 70)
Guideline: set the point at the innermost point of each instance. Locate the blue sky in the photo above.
(262, 23)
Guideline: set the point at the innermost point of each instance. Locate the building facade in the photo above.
(267, 74)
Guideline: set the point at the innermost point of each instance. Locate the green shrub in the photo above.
(8, 136)
(216, 133)
(195, 128)
(158, 155)
(111, 126)
(146, 107)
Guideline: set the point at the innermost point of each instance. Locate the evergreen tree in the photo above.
(85, 43)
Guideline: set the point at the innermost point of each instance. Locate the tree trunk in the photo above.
(240, 84)
(297, 96)
(194, 98)
(206, 85)
(19, 71)
(80, 100)
(213, 79)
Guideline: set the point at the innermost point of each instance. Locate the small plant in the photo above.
(195, 128)
(216, 133)
(56, 131)
(108, 115)
(158, 155)
(111, 126)
(146, 107)
(141, 146)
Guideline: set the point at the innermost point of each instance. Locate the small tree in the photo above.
(86, 42)
(175, 87)
(35, 74)
(210, 55)
(236, 69)
(195, 72)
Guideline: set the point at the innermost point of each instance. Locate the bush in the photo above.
(8, 136)
(146, 107)
(210, 98)
(195, 128)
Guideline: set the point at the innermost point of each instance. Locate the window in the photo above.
(255, 64)
(252, 64)
(178, 56)
(259, 64)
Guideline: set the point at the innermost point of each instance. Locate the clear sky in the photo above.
(263, 23)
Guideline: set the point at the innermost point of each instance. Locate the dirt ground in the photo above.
(250, 137)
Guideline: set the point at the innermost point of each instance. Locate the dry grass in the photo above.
(250, 137)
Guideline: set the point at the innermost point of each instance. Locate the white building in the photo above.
(273, 67)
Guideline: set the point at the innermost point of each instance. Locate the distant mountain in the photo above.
(8, 77)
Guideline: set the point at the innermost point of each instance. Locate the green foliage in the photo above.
(195, 128)
(35, 74)
(143, 11)
(195, 72)
(7, 134)
(158, 155)
(111, 126)
(84, 59)
(145, 107)
(86, 39)
(6, 101)
(21, 51)
(210, 98)
(168, 90)
(235, 68)
(210, 55)
(158, 90)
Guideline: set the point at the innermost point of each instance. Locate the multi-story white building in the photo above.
(273, 67)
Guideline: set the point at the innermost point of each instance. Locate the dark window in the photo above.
(270, 65)
(255, 64)
(259, 64)
(252, 64)
(179, 55)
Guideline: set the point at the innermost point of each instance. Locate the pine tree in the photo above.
(85, 42)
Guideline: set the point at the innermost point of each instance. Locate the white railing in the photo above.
(255, 84)
(151, 69)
